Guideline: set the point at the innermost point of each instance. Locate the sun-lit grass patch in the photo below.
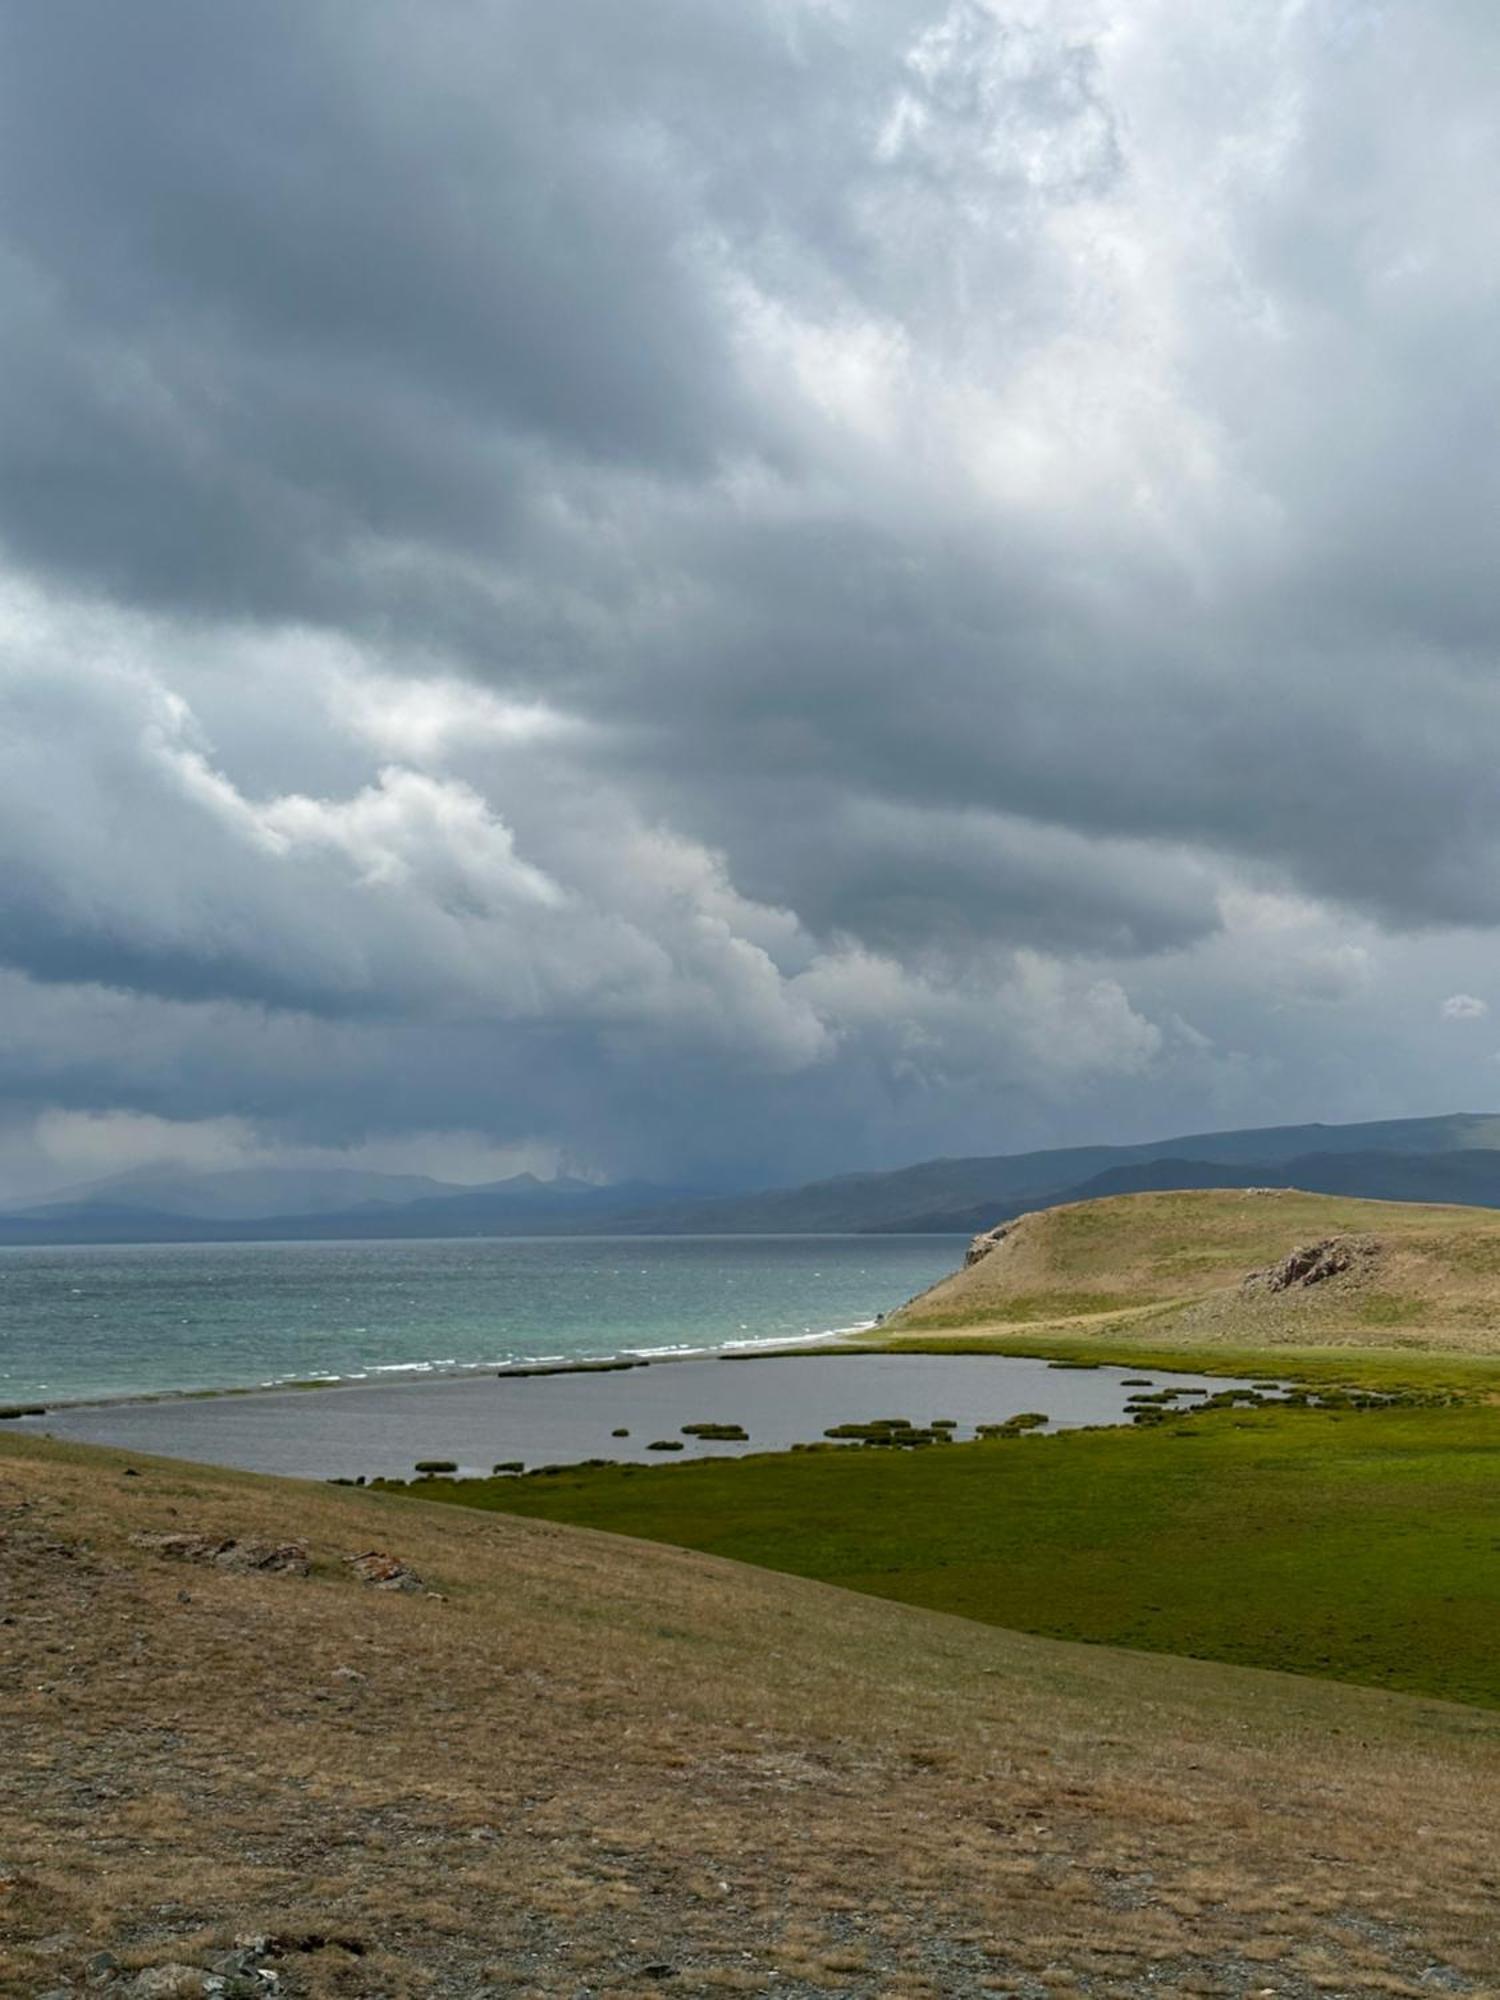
(1356, 1543)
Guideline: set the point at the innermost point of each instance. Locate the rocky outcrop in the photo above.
(376, 1567)
(226, 1552)
(1312, 1264)
(383, 1572)
(985, 1242)
(171, 1981)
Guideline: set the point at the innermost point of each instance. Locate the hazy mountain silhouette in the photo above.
(1454, 1158)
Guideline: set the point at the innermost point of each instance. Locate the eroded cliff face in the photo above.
(985, 1242)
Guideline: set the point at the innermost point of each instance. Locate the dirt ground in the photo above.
(578, 1765)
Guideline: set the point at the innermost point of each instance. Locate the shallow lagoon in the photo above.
(556, 1419)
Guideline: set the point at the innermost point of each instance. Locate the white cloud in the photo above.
(97, 1143)
(61, 1149)
(426, 721)
(1464, 1007)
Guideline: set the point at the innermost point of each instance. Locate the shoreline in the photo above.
(398, 1375)
(220, 1322)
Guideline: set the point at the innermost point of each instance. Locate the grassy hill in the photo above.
(576, 1763)
(1178, 1270)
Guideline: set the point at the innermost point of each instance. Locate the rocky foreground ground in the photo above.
(264, 1738)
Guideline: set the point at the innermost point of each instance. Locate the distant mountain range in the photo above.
(1448, 1159)
(1406, 1159)
(154, 1205)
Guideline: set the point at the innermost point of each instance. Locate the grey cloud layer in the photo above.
(981, 492)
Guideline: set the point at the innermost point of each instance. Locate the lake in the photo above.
(141, 1319)
(369, 1429)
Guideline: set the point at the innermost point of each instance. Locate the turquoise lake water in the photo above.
(112, 1320)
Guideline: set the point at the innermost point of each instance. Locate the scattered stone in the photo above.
(282, 1558)
(383, 1572)
(103, 1965)
(237, 1964)
(348, 1674)
(228, 1553)
(168, 1982)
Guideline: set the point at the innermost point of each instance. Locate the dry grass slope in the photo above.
(591, 1765)
(1170, 1268)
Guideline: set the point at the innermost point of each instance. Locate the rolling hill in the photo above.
(580, 1764)
(1210, 1268)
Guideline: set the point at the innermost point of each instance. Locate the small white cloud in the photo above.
(1464, 1007)
(106, 1142)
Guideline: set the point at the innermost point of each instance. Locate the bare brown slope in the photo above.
(590, 1765)
(1175, 1266)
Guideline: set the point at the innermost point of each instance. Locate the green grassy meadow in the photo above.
(1362, 1545)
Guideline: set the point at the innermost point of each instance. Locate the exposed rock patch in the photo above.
(375, 1567)
(985, 1242)
(384, 1572)
(228, 1553)
(1313, 1264)
(168, 1982)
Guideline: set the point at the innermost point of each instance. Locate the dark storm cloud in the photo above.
(835, 570)
(291, 279)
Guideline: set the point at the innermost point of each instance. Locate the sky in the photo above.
(729, 590)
